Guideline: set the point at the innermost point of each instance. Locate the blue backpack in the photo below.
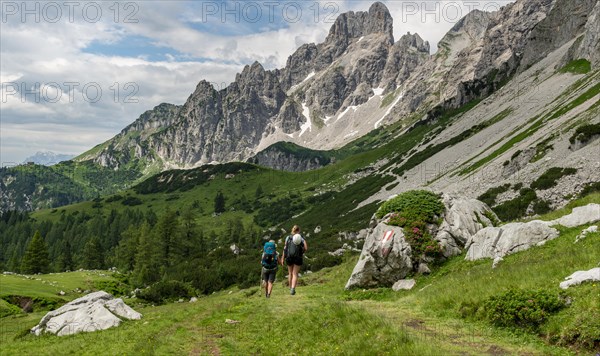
(269, 257)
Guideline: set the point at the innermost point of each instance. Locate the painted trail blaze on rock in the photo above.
(386, 243)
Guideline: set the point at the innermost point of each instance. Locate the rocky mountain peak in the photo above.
(473, 25)
(351, 24)
(413, 41)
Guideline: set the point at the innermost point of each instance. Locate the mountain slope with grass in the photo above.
(447, 312)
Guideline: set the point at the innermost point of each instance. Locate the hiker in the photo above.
(295, 246)
(270, 262)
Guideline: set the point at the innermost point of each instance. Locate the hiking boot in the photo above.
(268, 295)
(292, 291)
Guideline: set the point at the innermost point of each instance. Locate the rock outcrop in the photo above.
(579, 216)
(590, 43)
(462, 219)
(592, 275)
(497, 242)
(387, 257)
(92, 312)
(289, 157)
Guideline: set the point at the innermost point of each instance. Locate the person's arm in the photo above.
(284, 249)
(305, 246)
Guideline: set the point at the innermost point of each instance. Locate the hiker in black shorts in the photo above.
(270, 262)
(293, 251)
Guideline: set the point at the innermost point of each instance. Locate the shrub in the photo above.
(131, 201)
(526, 309)
(551, 177)
(115, 288)
(541, 207)
(489, 197)
(420, 240)
(492, 217)
(585, 133)
(590, 188)
(113, 198)
(163, 291)
(324, 260)
(412, 211)
(517, 207)
(414, 205)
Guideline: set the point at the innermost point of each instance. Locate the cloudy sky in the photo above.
(73, 74)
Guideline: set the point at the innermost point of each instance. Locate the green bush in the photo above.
(115, 288)
(551, 177)
(412, 211)
(526, 309)
(585, 133)
(322, 261)
(414, 205)
(420, 240)
(517, 207)
(590, 188)
(163, 291)
(131, 201)
(489, 197)
(113, 198)
(541, 207)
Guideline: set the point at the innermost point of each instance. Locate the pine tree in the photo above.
(147, 258)
(167, 227)
(36, 258)
(66, 258)
(219, 203)
(259, 192)
(93, 255)
(127, 249)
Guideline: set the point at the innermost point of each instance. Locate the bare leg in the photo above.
(269, 288)
(296, 270)
(290, 274)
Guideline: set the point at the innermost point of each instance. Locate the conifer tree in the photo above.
(93, 255)
(66, 258)
(147, 258)
(36, 258)
(219, 203)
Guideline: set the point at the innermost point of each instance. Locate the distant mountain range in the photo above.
(47, 158)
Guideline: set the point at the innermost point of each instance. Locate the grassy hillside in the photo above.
(439, 316)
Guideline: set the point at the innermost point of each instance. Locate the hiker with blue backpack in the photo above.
(269, 261)
(293, 251)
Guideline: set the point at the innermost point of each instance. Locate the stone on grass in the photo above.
(497, 242)
(92, 312)
(580, 277)
(582, 215)
(404, 284)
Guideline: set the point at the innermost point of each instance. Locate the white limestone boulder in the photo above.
(92, 312)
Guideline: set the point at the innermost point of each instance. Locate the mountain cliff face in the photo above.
(358, 79)
(357, 62)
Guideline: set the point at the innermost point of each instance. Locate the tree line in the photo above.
(149, 248)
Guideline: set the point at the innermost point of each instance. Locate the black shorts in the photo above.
(293, 261)
(268, 275)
